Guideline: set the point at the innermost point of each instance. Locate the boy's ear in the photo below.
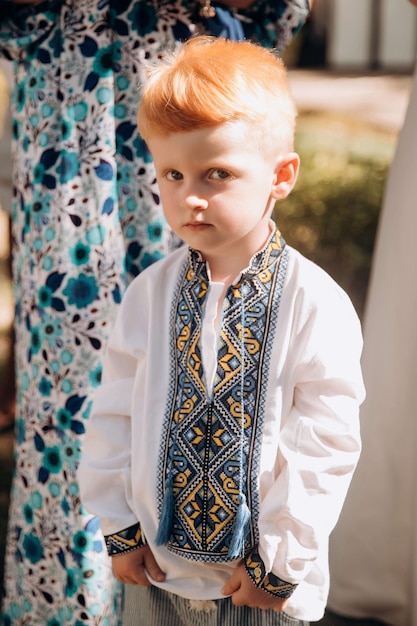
(286, 173)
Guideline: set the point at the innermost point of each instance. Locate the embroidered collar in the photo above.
(209, 455)
(261, 261)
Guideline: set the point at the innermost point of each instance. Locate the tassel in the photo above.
(241, 525)
(167, 515)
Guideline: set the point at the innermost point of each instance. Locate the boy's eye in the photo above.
(174, 175)
(219, 174)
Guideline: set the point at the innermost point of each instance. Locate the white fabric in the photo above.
(210, 332)
(373, 554)
(310, 440)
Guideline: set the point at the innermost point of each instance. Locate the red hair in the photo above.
(210, 81)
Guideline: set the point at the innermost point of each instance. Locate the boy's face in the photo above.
(218, 189)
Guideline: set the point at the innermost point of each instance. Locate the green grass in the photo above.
(332, 214)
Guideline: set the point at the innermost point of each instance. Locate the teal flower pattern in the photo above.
(33, 548)
(86, 219)
(81, 291)
(80, 253)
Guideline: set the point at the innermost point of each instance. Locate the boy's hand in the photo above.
(130, 567)
(244, 593)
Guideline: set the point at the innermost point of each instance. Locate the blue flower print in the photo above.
(147, 259)
(45, 293)
(67, 129)
(28, 514)
(63, 418)
(52, 460)
(36, 499)
(95, 376)
(55, 43)
(19, 97)
(16, 612)
(124, 132)
(65, 506)
(20, 430)
(78, 111)
(51, 330)
(47, 110)
(82, 542)
(44, 296)
(106, 59)
(36, 84)
(80, 253)
(68, 167)
(132, 254)
(17, 129)
(155, 231)
(40, 208)
(33, 548)
(71, 451)
(123, 180)
(45, 386)
(122, 82)
(143, 17)
(41, 172)
(141, 149)
(63, 617)
(81, 291)
(35, 340)
(96, 235)
(120, 111)
(74, 581)
(67, 357)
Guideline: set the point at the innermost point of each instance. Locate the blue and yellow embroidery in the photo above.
(209, 458)
(267, 581)
(124, 541)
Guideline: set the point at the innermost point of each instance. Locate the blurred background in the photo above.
(350, 71)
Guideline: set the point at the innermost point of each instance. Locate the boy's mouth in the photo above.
(197, 225)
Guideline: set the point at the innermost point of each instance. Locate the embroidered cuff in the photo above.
(124, 541)
(267, 581)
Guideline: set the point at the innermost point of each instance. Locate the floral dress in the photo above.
(86, 219)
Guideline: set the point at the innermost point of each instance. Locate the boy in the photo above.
(225, 434)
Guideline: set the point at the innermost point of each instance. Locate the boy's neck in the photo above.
(225, 269)
(227, 278)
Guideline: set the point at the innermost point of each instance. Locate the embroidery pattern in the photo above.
(202, 438)
(269, 582)
(124, 541)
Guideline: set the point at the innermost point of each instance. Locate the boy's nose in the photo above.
(196, 202)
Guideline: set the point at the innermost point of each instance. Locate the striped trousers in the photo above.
(151, 606)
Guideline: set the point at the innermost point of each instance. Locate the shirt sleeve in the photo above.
(125, 540)
(319, 443)
(275, 23)
(104, 473)
(267, 581)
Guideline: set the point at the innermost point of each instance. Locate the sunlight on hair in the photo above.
(210, 81)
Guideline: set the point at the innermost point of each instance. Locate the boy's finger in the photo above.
(153, 568)
(230, 587)
(140, 577)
